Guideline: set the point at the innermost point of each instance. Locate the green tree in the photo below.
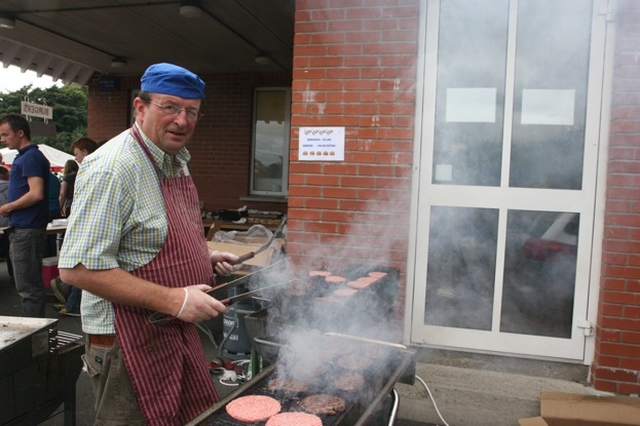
(69, 104)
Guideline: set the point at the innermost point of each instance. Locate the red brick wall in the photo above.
(354, 66)
(616, 365)
(221, 149)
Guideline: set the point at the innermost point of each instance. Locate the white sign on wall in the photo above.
(321, 144)
(36, 110)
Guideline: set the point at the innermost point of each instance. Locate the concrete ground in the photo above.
(468, 389)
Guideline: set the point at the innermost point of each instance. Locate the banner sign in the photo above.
(36, 110)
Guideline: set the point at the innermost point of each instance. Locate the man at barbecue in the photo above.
(136, 245)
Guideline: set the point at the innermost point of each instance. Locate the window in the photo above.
(270, 153)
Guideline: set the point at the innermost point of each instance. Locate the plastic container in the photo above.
(49, 270)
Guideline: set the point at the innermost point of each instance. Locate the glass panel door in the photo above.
(461, 267)
(470, 92)
(540, 273)
(551, 75)
(505, 210)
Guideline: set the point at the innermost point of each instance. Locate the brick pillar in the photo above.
(616, 364)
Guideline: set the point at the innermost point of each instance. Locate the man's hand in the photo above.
(197, 305)
(224, 263)
(190, 304)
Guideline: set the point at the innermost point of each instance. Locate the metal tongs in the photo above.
(244, 278)
(265, 246)
(159, 318)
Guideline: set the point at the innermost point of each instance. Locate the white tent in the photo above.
(56, 157)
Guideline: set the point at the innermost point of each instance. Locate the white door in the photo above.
(509, 135)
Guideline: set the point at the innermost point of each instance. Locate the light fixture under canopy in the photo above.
(118, 63)
(190, 9)
(6, 22)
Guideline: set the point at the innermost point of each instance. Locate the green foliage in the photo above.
(69, 105)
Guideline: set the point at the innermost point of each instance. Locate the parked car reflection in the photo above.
(541, 272)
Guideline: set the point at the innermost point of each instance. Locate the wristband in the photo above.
(184, 302)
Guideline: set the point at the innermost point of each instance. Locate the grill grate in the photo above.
(367, 405)
(289, 404)
(60, 339)
(367, 308)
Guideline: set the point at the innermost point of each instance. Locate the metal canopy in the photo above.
(71, 40)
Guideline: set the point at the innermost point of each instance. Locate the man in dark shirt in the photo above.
(28, 212)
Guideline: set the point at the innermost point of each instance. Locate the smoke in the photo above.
(301, 316)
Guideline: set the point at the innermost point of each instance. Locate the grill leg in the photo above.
(70, 407)
(394, 409)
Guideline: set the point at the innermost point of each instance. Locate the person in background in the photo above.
(69, 295)
(135, 245)
(54, 191)
(4, 193)
(51, 246)
(65, 197)
(28, 212)
(4, 221)
(83, 147)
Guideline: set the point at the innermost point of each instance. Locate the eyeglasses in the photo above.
(174, 111)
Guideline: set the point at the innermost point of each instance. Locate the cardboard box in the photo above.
(563, 409)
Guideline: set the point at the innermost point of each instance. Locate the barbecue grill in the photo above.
(380, 411)
(306, 309)
(39, 368)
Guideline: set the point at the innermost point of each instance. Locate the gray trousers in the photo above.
(25, 249)
(116, 403)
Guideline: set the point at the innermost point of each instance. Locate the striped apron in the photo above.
(166, 363)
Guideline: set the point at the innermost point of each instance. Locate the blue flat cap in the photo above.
(173, 80)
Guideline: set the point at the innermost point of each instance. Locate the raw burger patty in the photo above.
(323, 404)
(294, 419)
(299, 288)
(253, 408)
(358, 285)
(355, 362)
(328, 299)
(345, 292)
(319, 273)
(287, 385)
(349, 382)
